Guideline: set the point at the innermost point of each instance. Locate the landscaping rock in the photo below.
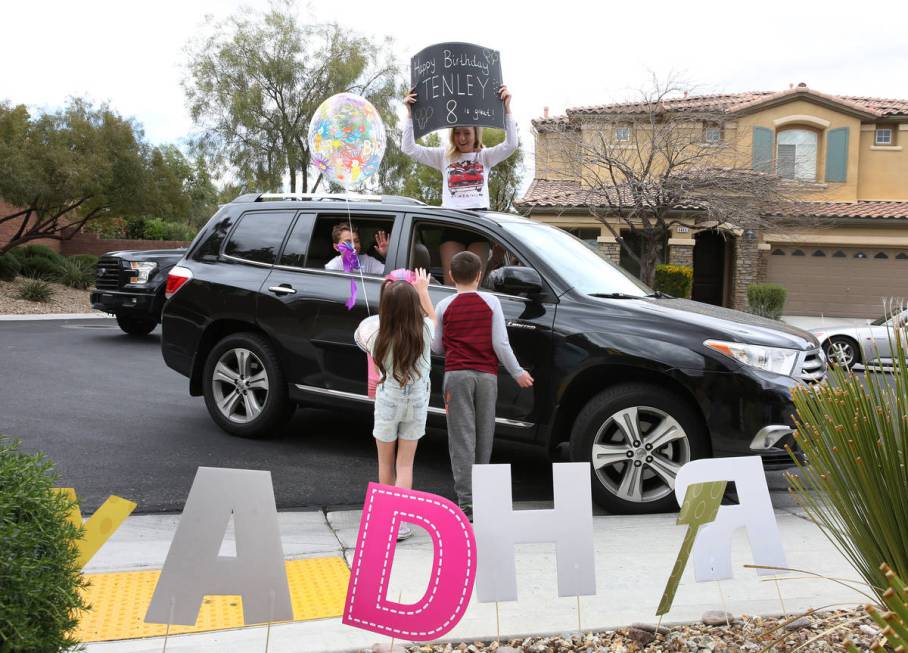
(797, 624)
(650, 628)
(642, 637)
(717, 618)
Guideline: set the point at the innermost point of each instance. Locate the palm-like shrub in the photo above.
(854, 433)
(766, 299)
(39, 571)
(893, 622)
(76, 273)
(35, 290)
(40, 267)
(9, 267)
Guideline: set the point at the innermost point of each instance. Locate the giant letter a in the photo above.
(193, 567)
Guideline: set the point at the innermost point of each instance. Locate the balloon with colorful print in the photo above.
(346, 139)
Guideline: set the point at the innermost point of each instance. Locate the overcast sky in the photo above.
(560, 53)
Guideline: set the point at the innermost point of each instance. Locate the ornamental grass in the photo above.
(854, 486)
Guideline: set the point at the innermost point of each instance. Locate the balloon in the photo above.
(346, 139)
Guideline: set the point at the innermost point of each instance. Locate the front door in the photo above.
(709, 268)
(529, 322)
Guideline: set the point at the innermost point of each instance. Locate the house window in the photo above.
(796, 154)
(622, 134)
(880, 255)
(778, 252)
(712, 134)
(839, 254)
(798, 252)
(860, 255)
(819, 252)
(902, 257)
(882, 136)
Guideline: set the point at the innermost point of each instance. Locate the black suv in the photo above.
(130, 285)
(635, 382)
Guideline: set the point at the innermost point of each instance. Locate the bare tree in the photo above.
(658, 162)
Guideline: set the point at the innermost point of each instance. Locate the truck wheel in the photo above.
(136, 325)
(636, 437)
(244, 387)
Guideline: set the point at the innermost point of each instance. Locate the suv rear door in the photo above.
(302, 305)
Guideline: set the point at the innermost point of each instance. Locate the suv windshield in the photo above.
(577, 264)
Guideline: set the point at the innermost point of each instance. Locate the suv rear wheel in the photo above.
(136, 325)
(244, 386)
(636, 437)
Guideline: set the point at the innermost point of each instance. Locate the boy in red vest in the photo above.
(471, 333)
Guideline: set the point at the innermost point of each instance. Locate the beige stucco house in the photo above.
(838, 254)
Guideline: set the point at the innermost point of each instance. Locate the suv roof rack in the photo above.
(338, 197)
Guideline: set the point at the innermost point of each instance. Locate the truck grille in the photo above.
(813, 367)
(107, 273)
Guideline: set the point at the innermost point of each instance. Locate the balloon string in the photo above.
(358, 262)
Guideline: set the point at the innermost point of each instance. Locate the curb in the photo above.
(54, 316)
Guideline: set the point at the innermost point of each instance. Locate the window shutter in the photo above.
(837, 154)
(762, 149)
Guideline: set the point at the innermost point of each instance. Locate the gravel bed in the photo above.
(744, 635)
(63, 300)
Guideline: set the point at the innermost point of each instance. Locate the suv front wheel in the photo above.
(636, 437)
(244, 386)
(136, 325)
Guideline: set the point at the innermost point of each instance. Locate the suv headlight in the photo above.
(143, 270)
(770, 359)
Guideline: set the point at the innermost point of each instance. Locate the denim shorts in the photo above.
(400, 412)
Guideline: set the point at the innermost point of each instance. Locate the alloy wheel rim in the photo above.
(842, 353)
(240, 385)
(637, 453)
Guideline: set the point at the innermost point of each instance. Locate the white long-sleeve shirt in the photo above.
(465, 177)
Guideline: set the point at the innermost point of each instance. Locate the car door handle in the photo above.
(282, 290)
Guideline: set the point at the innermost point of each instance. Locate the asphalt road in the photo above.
(116, 420)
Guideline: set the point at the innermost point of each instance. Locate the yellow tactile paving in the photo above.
(118, 601)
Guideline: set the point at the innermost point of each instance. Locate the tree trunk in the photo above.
(649, 257)
(291, 164)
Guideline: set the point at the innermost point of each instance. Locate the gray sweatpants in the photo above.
(470, 405)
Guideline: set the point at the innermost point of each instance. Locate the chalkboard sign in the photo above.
(456, 84)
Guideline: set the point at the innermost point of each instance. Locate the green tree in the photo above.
(505, 178)
(255, 81)
(66, 168)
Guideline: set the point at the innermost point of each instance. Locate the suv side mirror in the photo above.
(516, 280)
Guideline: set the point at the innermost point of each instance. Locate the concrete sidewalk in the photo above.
(634, 555)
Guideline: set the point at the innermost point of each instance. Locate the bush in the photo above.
(38, 251)
(854, 432)
(108, 228)
(36, 290)
(766, 299)
(42, 580)
(76, 273)
(88, 260)
(675, 280)
(39, 267)
(158, 229)
(9, 267)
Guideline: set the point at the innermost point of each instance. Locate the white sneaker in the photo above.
(403, 533)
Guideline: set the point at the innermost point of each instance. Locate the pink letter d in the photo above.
(453, 567)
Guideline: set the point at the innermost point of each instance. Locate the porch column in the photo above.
(681, 251)
(751, 258)
(609, 249)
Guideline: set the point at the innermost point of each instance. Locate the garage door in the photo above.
(839, 281)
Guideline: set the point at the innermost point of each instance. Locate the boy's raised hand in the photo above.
(381, 243)
(525, 380)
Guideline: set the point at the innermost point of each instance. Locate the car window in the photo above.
(430, 240)
(259, 235)
(577, 264)
(321, 252)
(294, 253)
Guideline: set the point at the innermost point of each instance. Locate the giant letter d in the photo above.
(453, 566)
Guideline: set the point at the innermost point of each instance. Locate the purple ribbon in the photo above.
(351, 263)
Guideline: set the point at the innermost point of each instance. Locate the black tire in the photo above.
(843, 351)
(655, 407)
(136, 325)
(253, 413)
